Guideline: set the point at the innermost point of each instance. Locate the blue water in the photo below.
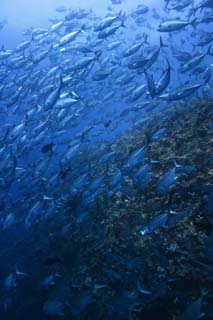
(94, 153)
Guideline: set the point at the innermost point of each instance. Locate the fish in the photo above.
(48, 281)
(10, 282)
(181, 92)
(57, 26)
(164, 81)
(141, 290)
(135, 158)
(3, 23)
(54, 96)
(150, 84)
(145, 62)
(104, 159)
(180, 6)
(175, 25)
(47, 147)
(33, 214)
(137, 92)
(141, 9)
(70, 37)
(204, 4)
(52, 261)
(195, 61)
(207, 18)
(167, 181)
(155, 224)
(107, 22)
(53, 308)
(61, 9)
(193, 311)
(143, 177)
(8, 221)
(110, 31)
(134, 48)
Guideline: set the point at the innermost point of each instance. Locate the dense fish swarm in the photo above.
(157, 273)
(106, 200)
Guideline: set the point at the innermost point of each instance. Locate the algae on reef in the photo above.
(173, 261)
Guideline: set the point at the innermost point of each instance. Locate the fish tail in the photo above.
(120, 15)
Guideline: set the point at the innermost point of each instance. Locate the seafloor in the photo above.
(107, 257)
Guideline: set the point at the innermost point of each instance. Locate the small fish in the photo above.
(181, 92)
(205, 4)
(53, 308)
(54, 96)
(164, 81)
(10, 282)
(193, 311)
(155, 224)
(141, 290)
(53, 260)
(9, 221)
(134, 159)
(195, 61)
(150, 84)
(174, 25)
(48, 281)
(110, 31)
(47, 148)
(70, 37)
(134, 48)
(107, 22)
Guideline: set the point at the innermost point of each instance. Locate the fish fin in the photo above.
(209, 51)
(50, 48)
(145, 39)
(169, 66)
(148, 137)
(98, 53)
(162, 45)
(208, 85)
(61, 81)
(83, 28)
(120, 15)
(194, 46)
(204, 292)
(206, 82)
(122, 24)
(194, 23)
